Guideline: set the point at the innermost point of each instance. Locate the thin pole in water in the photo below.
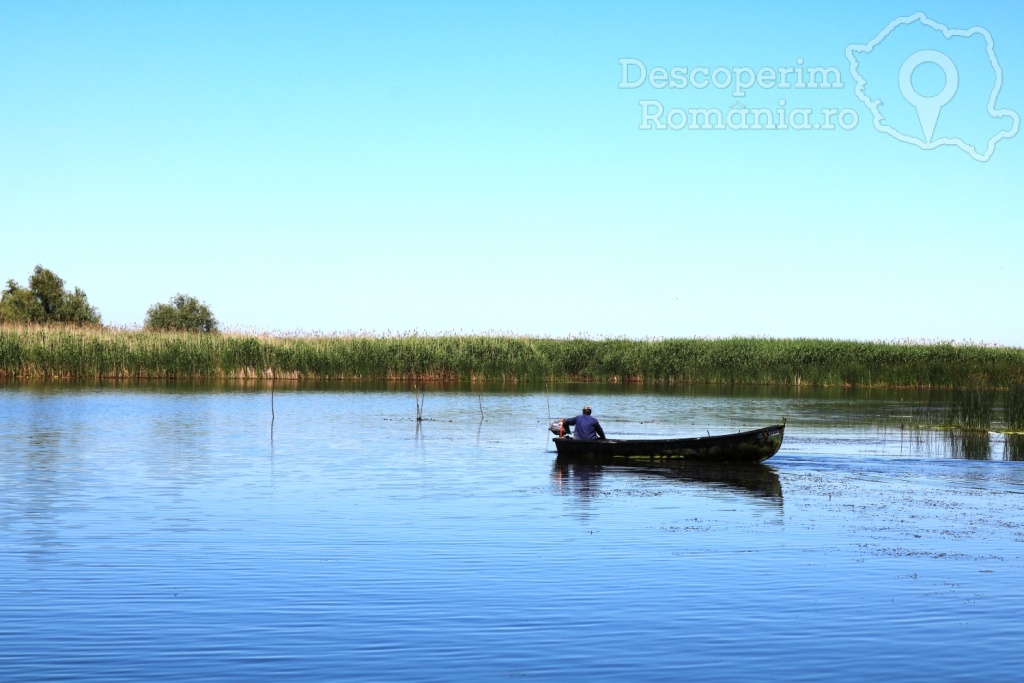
(273, 377)
(547, 397)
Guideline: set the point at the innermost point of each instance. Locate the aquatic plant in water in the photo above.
(1013, 405)
(973, 405)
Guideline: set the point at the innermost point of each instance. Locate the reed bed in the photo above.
(1013, 405)
(973, 406)
(66, 352)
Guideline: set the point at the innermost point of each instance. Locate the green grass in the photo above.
(64, 352)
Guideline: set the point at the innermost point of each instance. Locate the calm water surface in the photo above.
(161, 532)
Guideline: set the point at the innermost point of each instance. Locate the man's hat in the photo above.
(586, 409)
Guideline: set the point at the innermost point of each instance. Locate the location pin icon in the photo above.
(928, 108)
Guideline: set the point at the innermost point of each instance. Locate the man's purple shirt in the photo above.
(587, 428)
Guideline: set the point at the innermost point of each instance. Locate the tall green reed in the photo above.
(96, 352)
(1013, 405)
(973, 405)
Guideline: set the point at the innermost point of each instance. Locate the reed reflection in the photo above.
(758, 481)
(42, 466)
(1013, 447)
(970, 445)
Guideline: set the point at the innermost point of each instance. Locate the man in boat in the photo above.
(587, 427)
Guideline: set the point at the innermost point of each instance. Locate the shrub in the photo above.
(183, 313)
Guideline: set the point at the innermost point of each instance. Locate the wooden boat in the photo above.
(756, 445)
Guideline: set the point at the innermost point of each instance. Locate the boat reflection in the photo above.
(756, 480)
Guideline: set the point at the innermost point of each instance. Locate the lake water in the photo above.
(163, 532)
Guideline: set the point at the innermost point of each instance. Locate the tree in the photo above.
(45, 301)
(182, 313)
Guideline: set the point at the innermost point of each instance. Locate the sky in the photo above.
(552, 169)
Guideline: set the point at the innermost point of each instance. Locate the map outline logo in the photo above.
(929, 107)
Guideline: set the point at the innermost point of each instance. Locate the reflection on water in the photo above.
(755, 480)
(163, 530)
(1013, 447)
(970, 445)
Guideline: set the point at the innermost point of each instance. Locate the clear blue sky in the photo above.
(477, 167)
